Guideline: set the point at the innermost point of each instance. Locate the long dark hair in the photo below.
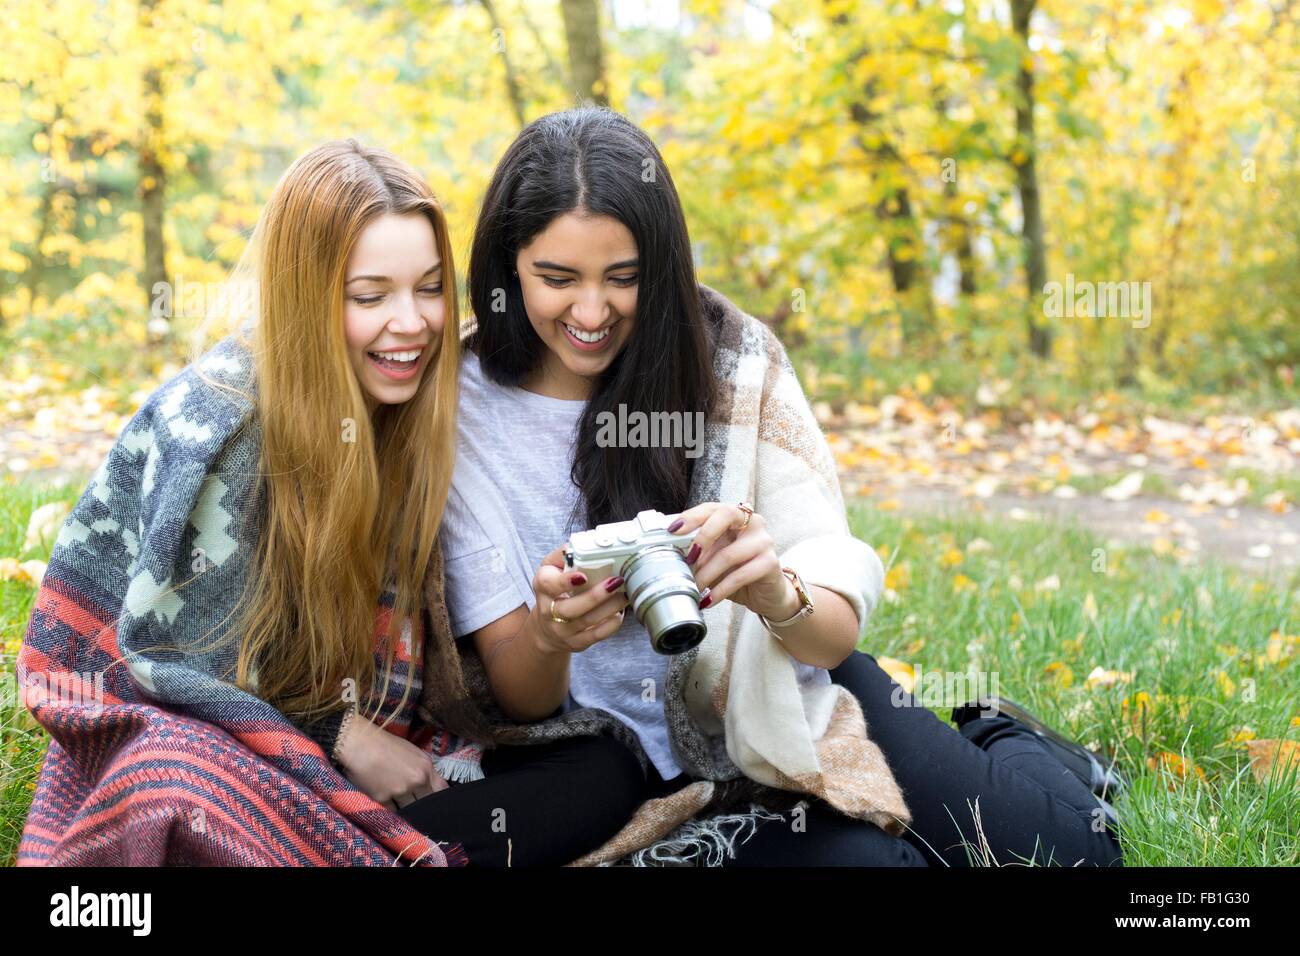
(594, 160)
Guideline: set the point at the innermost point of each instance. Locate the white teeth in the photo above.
(588, 336)
(408, 356)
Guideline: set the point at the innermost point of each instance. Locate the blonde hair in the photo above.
(341, 515)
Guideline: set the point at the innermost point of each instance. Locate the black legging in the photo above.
(1029, 806)
(538, 805)
(559, 801)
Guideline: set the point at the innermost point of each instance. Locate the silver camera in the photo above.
(659, 583)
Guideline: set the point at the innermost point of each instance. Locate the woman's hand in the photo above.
(526, 652)
(392, 771)
(736, 559)
(586, 617)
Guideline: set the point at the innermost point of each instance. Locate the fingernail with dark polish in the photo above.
(706, 600)
(692, 554)
(578, 579)
(613, 584)
(672, 528)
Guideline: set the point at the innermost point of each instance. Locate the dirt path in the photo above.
(1253, 538)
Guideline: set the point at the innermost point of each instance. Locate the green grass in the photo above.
(22, 740)
(1155, 485)
(958, 366)
(1175, 629)
(1263, 484)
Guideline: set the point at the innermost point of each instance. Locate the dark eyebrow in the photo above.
(556, 267)
(427, 272)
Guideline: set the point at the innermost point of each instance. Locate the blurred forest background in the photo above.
(890, 184)
(1036, 262)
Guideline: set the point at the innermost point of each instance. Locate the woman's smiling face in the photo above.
(393, 308)
(579, 280)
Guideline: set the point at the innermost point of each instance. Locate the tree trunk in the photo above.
(955, 224)
(512, 82)
(153, 181)
(904, 242)
(960, 232)
(586, 53)
(36, 271)
(1177, 205)
(1022, 159)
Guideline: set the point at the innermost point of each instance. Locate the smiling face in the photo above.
(579, 280)
(393, 308)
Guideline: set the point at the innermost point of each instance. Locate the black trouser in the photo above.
(559, 801)
(540, 805)
(1029, 806)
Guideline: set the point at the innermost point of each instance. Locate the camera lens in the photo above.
(681, 637)
(665, 599)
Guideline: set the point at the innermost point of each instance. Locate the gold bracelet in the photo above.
(805, 605)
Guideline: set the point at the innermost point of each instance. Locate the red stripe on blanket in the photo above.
(89, 829)
(62, 603)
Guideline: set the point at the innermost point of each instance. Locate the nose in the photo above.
(406, 318)
(590, 310)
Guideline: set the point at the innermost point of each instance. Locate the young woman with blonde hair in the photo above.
(219, 577)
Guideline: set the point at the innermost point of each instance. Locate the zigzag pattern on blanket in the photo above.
(155, 756)
(127, 783)
(176, 792)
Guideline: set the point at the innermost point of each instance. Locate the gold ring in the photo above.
(749, 513)
(555, 617)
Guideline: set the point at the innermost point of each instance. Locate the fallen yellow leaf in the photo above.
(1100, 677)
(1060, 673)
(1175, 766)
(903, 673)
(1267, 754)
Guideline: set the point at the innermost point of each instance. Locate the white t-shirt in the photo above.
(510, 505)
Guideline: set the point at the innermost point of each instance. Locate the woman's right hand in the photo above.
(392, 771)
(591, 612)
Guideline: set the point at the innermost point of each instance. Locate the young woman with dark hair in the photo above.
(587, 306)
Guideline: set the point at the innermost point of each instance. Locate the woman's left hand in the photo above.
(736, 559)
